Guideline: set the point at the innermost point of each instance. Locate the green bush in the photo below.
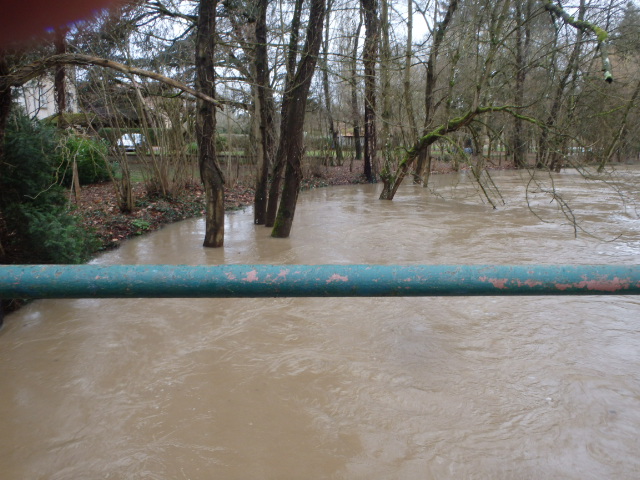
(28, 167)
(38, 224)
(90, 157)
(51, 234)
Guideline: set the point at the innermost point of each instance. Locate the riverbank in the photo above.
(97, 208)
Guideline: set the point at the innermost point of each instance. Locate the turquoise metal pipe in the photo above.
(227, 281)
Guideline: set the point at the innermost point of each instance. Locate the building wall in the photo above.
(38, 98)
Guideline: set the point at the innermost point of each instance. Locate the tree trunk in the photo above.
(124, 192)
(408, 60)
(335, 136)
(355, 111)
(293, 128)
(385, 82)
(5, 101)
(423, 158)
(621, 130)
(522, 47)
(431, 63)
(280, 159)
(369, 57)
(547, 157)
(5, 110)
(210, 173)
(59, 83)
(264, 112)
(393, 182)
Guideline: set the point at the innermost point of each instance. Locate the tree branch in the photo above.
(22, 75)
(160, 8)
(393, 180)
(601, 34)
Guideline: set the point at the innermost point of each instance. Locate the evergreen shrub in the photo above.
(37, 222)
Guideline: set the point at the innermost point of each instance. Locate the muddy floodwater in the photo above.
(369, 388)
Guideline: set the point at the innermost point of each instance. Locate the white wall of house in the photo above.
(38, 97)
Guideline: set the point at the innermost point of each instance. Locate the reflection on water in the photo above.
(410, 388)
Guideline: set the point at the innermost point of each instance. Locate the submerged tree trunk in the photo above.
(369, 57)
(264, 112)
(210, 173)
(293, 128)
(391, 186)
(280, 158)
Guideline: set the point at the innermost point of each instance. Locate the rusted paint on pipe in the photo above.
(183, 281)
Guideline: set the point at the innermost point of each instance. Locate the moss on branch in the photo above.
(601, 34)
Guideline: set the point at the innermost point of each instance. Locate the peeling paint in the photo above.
(283, 273)
(530, 283)
(230, 276)
(496, 282)
(614, 285)
(252, 276)
(337, 278)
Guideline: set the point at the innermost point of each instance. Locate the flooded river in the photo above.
(382, 388)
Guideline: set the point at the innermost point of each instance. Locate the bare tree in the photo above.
(333, 131)
(281, 152)
(264, 109)
(292, 127)
(369, 58)
(522, 40)
(353, 84)
(407, 91)
(212, 177)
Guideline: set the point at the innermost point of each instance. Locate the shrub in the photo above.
(33, 205)
(27, 169)
(90, 157)
(51, 234)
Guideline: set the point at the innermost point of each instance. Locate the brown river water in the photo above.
(368, 388)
